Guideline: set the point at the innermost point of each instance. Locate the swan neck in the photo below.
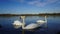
(23, 24)
(45, 19)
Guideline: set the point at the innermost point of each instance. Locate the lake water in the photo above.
(53, 25)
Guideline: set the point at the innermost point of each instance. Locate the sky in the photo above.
(29, 6)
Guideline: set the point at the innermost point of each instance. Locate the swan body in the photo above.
(42, 21)
(31, 26)
(17, 22)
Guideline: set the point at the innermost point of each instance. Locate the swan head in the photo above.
(23, 17)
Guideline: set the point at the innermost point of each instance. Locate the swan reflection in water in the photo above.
(17, 24)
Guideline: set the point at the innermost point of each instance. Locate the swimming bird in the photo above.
(17, 24)
(28, 27)
(42, 21)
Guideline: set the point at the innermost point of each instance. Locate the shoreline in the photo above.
(27, 14)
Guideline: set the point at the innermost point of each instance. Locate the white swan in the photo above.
(30, 26)
(42, 21)
(17, 24)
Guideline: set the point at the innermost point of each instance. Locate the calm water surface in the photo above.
(53, 25)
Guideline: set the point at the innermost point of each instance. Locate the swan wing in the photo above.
(17, 22)
(40, 21)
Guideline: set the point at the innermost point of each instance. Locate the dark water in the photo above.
(53, 25)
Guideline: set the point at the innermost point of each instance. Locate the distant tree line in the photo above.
(29, 14)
